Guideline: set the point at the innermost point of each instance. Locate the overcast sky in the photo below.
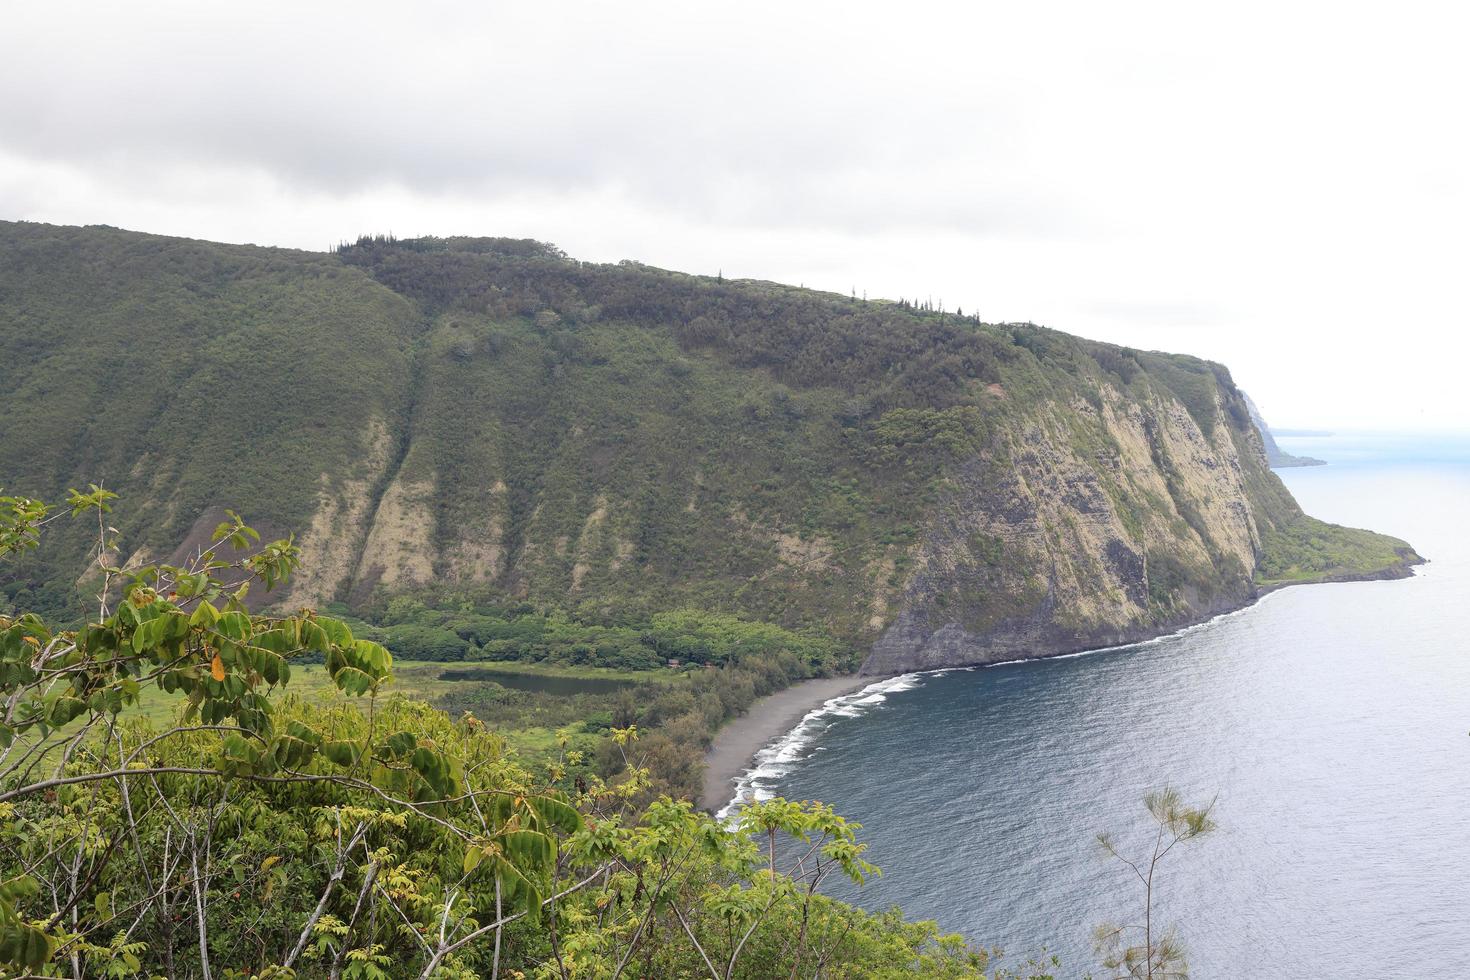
(1279, 186)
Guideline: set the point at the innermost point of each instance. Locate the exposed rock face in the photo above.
(332, 544)
(1085, 527)
(1079, 522)
(399, 553)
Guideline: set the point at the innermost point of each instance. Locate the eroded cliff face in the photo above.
(1097, 514)
(1072, 522)
(332, 543)
(377, 528)
(1087, 524)
(488, 421)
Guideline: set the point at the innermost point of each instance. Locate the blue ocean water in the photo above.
(1328, 722)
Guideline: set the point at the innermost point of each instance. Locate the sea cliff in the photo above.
(488, 421)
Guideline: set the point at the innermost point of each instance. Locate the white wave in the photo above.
(774, 761)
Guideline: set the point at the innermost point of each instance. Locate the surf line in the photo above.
(784, 751)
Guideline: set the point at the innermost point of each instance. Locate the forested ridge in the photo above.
(491, 421)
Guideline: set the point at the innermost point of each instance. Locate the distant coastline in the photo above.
(1277, 457)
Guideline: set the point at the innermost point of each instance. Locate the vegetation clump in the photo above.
(1309, 550)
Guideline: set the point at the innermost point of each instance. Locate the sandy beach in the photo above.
(769, 718)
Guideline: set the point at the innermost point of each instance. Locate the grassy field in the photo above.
(1311, 550)
(660, 676)
(538, 717)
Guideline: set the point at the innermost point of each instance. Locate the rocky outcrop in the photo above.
(399, 552)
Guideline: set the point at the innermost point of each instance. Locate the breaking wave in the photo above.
(778, 757)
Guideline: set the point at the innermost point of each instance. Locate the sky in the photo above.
(1278, 186)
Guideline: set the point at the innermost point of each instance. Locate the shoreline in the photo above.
(736, 743)
(732, 754)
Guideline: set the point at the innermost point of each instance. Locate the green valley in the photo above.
(523, 534)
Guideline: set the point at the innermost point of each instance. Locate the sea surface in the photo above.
(1328, 723)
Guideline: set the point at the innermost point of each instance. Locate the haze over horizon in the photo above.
(1283, 190)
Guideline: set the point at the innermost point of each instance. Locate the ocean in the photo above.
(1328, 724)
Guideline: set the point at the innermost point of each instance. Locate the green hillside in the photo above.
(155, 365)
(487, 421)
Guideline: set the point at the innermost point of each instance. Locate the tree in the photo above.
(1143, 950)
(103, 819)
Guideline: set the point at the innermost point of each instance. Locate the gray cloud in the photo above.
(708, 118)
(1247, 186)
(1164, 314)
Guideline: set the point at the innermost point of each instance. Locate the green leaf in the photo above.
(238, 753)
(435, 770)
(337, 632)
(304, 732)
(64, 709)
(149, 634)
(399, 744)
(372, 658)
(24, 946)
(276, 641)
(313, 637)
(556, 814)
(534, 853)
(351, 680)
(343, 753)
(19, 888)
(272, 667)
(235, 625)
